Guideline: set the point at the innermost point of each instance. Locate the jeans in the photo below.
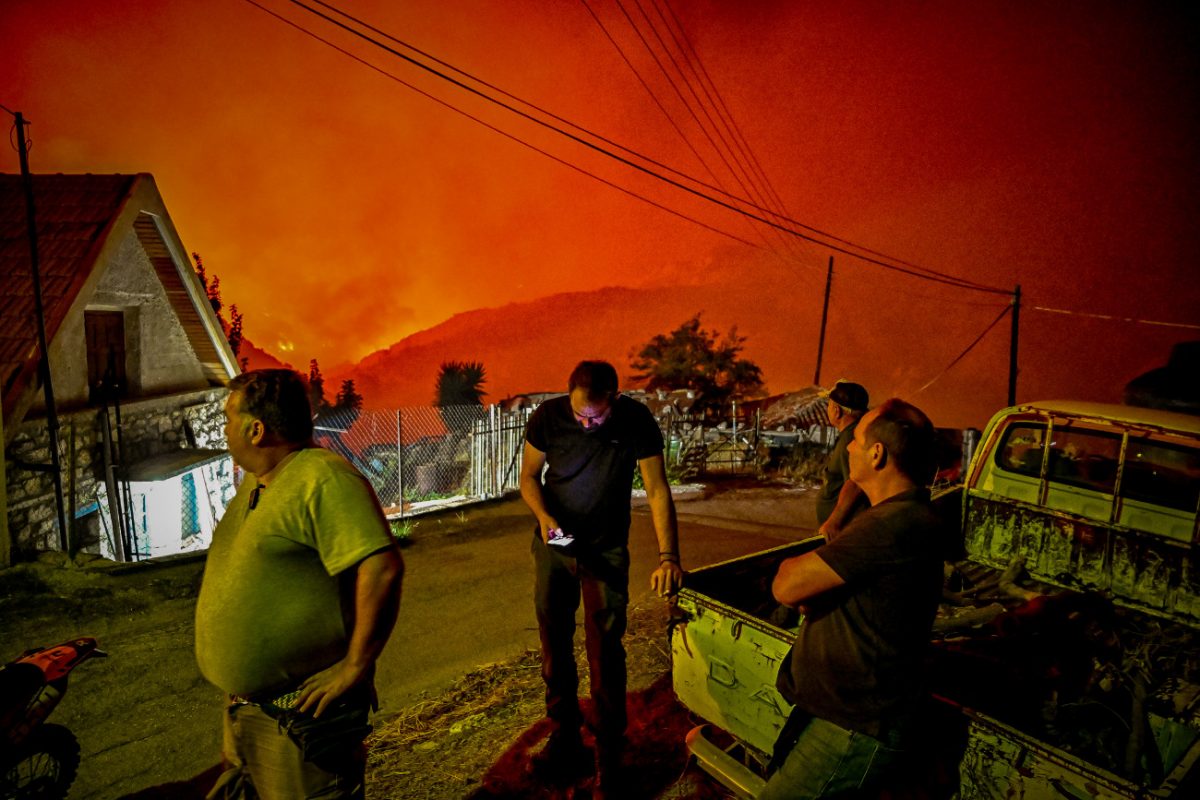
(830, 761)
(262, 761)
(601, 579)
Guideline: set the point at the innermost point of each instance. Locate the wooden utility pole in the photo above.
(824, 319)
(44, 363)
(1012, 347)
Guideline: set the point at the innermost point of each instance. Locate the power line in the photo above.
(1115, 318)
(970, 347)
(749, 186)
(913, 270)
(693, 60)
(494, 129)
(671, 119)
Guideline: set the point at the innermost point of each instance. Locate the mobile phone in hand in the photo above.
(560, 538)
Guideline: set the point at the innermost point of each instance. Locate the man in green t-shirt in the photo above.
(300, 594)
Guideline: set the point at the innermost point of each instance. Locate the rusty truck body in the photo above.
(1065, 659)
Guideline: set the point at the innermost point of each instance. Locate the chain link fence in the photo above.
(423, 456)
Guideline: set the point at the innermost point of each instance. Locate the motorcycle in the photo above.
(37, 759)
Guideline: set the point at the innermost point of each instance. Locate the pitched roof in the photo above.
(77, 217)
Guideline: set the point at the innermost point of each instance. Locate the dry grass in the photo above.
(473, 740)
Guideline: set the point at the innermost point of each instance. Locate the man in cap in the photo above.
(840, 497)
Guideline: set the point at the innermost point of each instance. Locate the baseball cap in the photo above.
(849, 395)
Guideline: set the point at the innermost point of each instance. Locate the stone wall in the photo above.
(149, 427)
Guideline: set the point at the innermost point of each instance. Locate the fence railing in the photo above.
(416, 457)
(427, 456)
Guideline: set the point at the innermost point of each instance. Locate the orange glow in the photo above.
(1054, 148)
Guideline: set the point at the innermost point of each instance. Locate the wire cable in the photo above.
(494, 129)
(914, 271)
(684, 43)
(1114, 318)
(970, 347)
(667, 114)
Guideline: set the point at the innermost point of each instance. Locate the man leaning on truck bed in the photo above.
(869, 599)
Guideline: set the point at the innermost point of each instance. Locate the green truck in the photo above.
(1065, 659)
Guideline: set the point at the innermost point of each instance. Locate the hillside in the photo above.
(530, 347)
(892, 340)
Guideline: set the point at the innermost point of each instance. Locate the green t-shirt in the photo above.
(274, 607)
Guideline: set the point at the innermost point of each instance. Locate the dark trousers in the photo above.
(602, 580)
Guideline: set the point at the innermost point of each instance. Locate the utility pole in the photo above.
(824, 319)
(55, 466)
(1012, 349)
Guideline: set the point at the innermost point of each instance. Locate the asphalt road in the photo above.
(468, 591)
(148, 723)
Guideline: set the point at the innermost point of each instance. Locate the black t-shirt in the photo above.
(858, 655)
(590, 471)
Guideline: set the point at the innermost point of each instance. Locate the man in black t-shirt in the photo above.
(590, 441)
(869, 598)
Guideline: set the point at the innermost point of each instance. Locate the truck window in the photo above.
(1084, 458)
(1161, 473)
(1021, 450)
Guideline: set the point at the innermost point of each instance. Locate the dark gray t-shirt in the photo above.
(589, 473)
(858, 655)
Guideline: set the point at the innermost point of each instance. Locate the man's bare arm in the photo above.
(532, 462)
(668, 578)
(802, 578)
(848, 496)
(377, 582)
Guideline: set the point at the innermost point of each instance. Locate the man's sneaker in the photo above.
(562, 760)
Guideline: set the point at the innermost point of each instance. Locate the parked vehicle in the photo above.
(1066, 654)
(38, 759)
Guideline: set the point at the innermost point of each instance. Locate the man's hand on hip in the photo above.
(319, 691)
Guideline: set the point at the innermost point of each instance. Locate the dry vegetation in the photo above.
(474, 740)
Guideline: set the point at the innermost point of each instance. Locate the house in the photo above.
(138, 364)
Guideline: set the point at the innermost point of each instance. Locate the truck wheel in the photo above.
(43, 767)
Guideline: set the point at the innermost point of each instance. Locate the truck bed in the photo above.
(1061, 693)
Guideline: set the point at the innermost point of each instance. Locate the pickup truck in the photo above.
(1065, 657)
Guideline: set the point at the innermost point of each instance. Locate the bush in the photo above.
(803, 464)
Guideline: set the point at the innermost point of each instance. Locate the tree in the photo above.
(232, 328)
(316, 389)
(459, 383)
(235, 336)
(691, 357)
(348, 399)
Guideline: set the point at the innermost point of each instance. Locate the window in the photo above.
(1078, 457)
(1021, 450)
(104, 333)
(1161, 473)
(1085, 458)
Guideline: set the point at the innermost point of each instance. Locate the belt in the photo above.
(286, 701)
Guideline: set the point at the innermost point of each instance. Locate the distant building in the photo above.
(131, 334)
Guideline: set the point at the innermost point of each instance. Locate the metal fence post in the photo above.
(400, 461)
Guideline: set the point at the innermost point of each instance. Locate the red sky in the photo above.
(1047, 144)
